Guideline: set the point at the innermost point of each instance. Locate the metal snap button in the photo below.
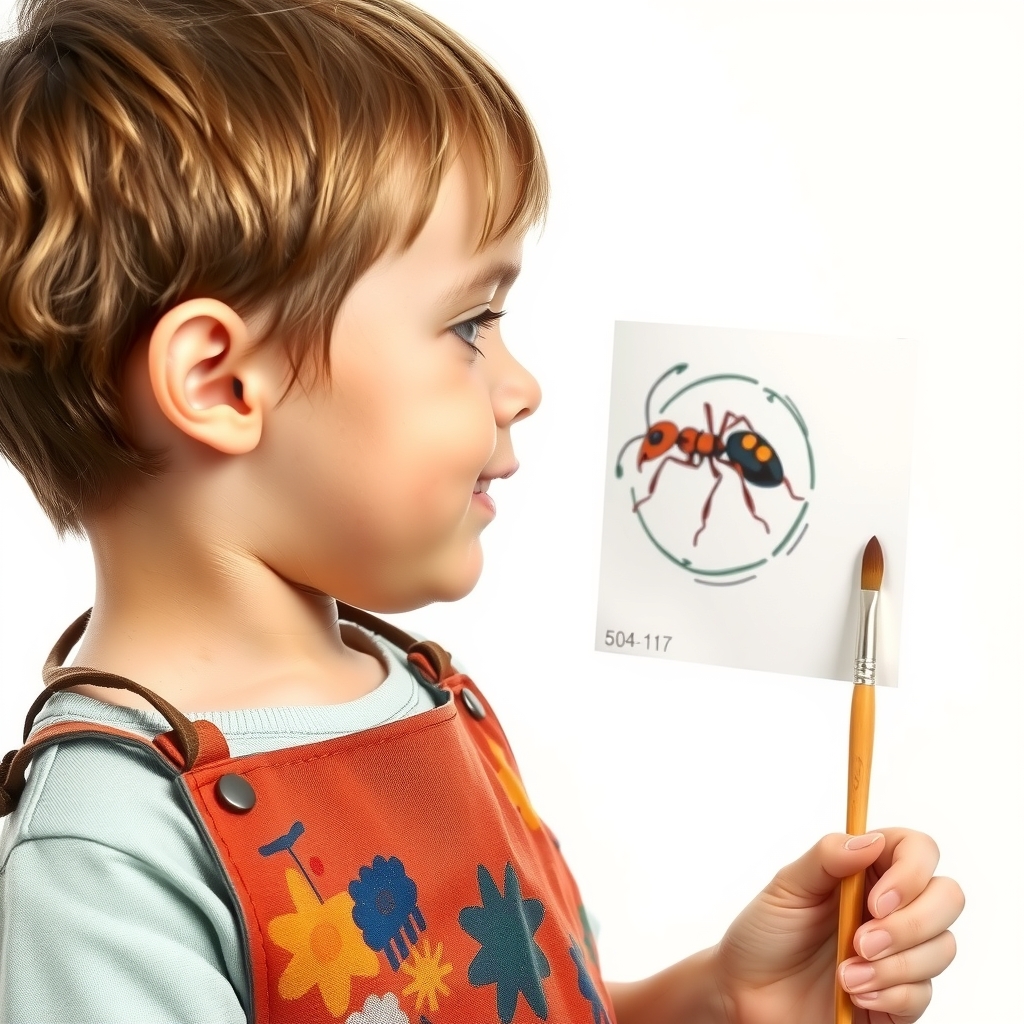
(235, 794)
(473, 706)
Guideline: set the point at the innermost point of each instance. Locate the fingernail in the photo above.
(857, 975)
(859, 842)
(887, 903)
(874, 943)
(865, 997)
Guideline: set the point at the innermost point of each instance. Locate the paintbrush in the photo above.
(862, 738)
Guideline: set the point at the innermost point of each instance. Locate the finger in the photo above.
(904, 1003)
(931, 914)
(908, 862)
(921, 963)
(818, 872)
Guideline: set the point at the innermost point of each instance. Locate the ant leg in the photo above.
(657, 474)
(706, 511)
(789, 487)
(730, 420)
(748, 499)
(709, 417)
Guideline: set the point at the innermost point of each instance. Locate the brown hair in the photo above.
(259, 152)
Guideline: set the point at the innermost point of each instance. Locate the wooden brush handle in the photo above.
(851, 893)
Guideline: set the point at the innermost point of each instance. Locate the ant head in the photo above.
(658, 440)
(688, 440)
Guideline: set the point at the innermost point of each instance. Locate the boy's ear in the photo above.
(201, 379)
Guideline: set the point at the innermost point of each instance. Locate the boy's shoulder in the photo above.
(105, 790)
(103, 874)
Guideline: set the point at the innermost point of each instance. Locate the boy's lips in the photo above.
(484, 480)
(480, 494)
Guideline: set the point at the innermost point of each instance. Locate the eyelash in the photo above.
(481, 321)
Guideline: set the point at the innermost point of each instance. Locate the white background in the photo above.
(830, 167)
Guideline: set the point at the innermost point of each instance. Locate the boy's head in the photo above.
(257, 155)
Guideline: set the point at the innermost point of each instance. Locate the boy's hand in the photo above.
(776, 964)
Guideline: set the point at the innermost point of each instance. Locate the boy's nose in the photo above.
(516, 394)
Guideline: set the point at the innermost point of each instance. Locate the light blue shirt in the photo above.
(111, 908)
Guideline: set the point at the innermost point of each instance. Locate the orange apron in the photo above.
(394, 875)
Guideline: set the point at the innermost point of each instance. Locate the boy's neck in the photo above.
(210, 638)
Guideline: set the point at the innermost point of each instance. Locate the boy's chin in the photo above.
(462, 578)
(450, 580)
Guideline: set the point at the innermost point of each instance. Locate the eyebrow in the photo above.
(502, 274)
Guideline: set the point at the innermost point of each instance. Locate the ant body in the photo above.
(744, 451)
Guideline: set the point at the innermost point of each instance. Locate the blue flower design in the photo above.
(509, 957)
(385, 907)
(587, 987)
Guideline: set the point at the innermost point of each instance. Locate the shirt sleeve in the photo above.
(111, 910)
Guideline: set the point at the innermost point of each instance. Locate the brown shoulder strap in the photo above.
(15, 762)
(388, 630)
(59, 678)
(425, 655)
(438, 660)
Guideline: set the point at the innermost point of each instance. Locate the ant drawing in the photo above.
(745, 451)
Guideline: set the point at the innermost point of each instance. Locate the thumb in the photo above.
(820, 870)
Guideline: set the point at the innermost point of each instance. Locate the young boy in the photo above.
(252, 256)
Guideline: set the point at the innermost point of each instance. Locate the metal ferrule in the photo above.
(864, 668)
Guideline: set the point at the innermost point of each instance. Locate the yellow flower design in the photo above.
(514, 787)
(427, 971)
(326, 946)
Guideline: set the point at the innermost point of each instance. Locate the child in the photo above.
(252, 258)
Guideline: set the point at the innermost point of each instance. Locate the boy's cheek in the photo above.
(452, 438)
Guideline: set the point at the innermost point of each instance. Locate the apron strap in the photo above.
(15, 762)
(192, 744)
(425, 655)
(58, 678)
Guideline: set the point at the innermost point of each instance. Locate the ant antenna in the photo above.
(678, 368)
(618, 462)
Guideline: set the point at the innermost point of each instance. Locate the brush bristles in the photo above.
(872, 566)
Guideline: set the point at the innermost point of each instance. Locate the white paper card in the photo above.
(746, 471)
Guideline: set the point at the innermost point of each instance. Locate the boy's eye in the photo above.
(469, 330)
